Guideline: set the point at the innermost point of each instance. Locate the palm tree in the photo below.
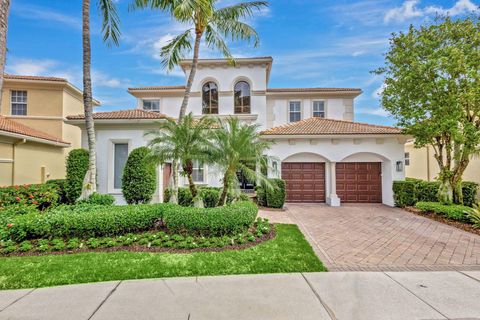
(204, 19)
(111, 34)
(4, 11)
(238, 147)
(186, 141)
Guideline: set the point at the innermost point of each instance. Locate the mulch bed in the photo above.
(152, 249)
(432, 215)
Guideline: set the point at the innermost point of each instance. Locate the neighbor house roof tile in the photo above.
(160, 88)
(38, 78)
(10, 126)
(121, 114)
(321, 126)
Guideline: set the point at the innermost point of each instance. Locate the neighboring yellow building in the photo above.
(34, 139)
(421, 164)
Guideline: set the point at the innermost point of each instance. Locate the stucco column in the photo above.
(333, 200)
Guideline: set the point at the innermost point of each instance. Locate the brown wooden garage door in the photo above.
(359, 182)
(305, 181)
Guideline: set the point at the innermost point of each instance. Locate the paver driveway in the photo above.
(379, 238)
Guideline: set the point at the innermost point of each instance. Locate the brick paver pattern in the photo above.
(379, 238)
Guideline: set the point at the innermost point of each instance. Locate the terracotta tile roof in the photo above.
(157, 88)
(7, 125)
(314, 90)
(121, 114)
(38, 78)
(321, 126)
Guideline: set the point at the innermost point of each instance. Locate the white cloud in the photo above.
(373, 111)
(30, 67)
(376, 94)
(410, 9)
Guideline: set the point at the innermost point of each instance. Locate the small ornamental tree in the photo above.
(432, 77)
(139, 178)
(77, 166)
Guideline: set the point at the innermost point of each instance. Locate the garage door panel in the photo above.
(305, 181)
(359, 182)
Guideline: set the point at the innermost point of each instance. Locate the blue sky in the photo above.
(314, 43)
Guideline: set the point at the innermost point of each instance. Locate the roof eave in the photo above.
(80, 122)
(34, 139)
(332, 136)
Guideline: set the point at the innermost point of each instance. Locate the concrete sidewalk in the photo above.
(339, 295)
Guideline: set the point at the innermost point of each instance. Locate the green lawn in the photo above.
(288, 252)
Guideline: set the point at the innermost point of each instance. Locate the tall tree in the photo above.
(187, 142)
(111, 34)
(238, 148)
(4, 12)
(203, 18)
(432, 77)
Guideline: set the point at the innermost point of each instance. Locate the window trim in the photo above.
(26, 103)
(324, 107)
(197, 168)
(289, 112)
(210, 105)
(242, 107)
(150, 99)
(111, 163)
(205, 177)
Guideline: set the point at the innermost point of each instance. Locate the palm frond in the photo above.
(214, 40)
(175, 50)
(237, 30)
(110, 22)
(240, 10)
(167, 5)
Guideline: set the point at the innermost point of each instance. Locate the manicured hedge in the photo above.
(209, 195)
(139, 179)
(42, 196)
(98, 199)
(77, 167)
(60, 185)
(276, 195)
(453, 211)
(83, 221)
(411, 191)
(218, 221)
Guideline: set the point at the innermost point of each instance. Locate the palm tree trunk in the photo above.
(226, 185)
(4, 11)
(191, 76)
(174, 182)
(89, 183)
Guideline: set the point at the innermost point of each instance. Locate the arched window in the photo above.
(210, 98)
(242, 97)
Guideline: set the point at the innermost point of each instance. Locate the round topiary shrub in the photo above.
(139, 179)
(77, 167)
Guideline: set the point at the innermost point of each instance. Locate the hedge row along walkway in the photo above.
(379, 238)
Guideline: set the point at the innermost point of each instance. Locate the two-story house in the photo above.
(321, 153)
(34, 138)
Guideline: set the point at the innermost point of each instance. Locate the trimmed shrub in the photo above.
(209, 196)
(218, 221)
(42, 196)
(453, 211)
(77, 167)
(139, 179)
(404, 193)
(470, 191)
(98, 199)
(185, 198)
(60, 185)
(407, 193)
(276, 195)
(83, 221)
(261, 196)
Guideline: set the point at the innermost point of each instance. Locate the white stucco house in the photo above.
(323, 155)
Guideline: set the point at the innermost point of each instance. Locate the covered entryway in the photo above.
(359, 182)
(305, 181)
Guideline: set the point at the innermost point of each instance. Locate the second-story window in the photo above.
(19, 103)
(319, 109)
(210, 98)
(242, 97)
(295, 111)
(151, 105)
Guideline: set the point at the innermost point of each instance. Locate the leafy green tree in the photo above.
(432, 77)
(139, 179)
(111, 34)
(238, 148)
(186, 141)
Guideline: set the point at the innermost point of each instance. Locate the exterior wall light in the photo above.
(399, 166)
